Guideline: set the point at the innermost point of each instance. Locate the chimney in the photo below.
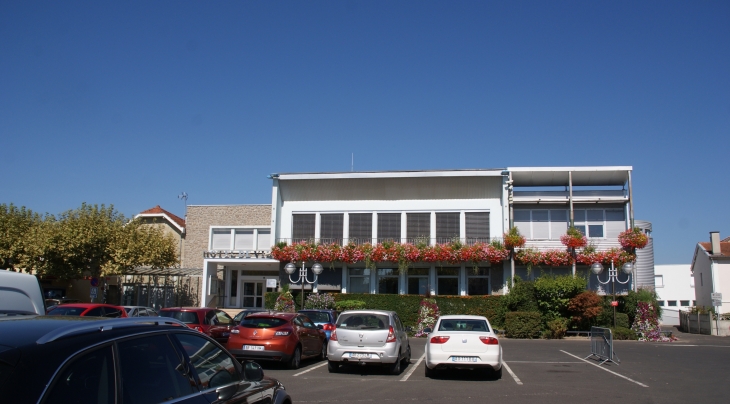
(715, 242)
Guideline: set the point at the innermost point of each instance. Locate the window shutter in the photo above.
(302, 227)
(361, 227)
(331, 227)
(221, 239)
(389, 227)
(540, 225)
(522, 222)
(243, 240)
(447, 227)
(264, 240)
(477, 227)
(418, 225)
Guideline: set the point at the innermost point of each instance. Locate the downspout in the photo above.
(572, 218)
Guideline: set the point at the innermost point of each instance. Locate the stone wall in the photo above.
(200, 218)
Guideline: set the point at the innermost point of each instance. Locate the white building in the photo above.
(676, 290)
(711, 271)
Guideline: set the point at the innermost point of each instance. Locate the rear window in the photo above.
(317, 316)
(186, 317)
(262, 322)
(66, 311)
(463, 325)
(363, 321)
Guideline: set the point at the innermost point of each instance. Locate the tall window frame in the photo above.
(231, 236)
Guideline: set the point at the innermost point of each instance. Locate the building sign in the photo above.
(236, 254)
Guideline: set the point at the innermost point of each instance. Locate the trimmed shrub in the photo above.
(623, 333)
(553, 294)
(556, 329)
(585, 309)
(521, 297)
(350, 305)
(523, 324)
(622, 320)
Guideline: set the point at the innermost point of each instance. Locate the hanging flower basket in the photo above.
(513, 239)
(633, 238)
(573, 238)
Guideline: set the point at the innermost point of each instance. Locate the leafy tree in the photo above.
(584, 309)
(21, 237)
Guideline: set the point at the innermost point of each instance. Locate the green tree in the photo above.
(137, 244)
(553, 294)
(22, 234)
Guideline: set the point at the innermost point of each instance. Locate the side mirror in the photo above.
(427, 330)
(320, 326)
(252, 371)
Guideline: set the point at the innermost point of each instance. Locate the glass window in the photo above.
(331, 228)
(660, 303)
(95, 312)
(361, 227)
(684, 303)
(418, 227)
(234, 288)
(478, 283)
(463, 325)
(595, 215)
(262, 322)
(152, 371)
(387, 281)
(671, 303)
(223, 318)
(447, 226)
(389, 227)
(361, 321)
(88, 378)
(417, 281)
(477, 227)
(595, 230)
(213, 366)
(615, 215)
(447, 281)
(359, 280)
(303, 227)
(186, 317)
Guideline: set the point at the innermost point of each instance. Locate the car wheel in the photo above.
(296, 359)
(323, 354)
(430, 372)
(497, 374)
(395, 368)
(407, 359)
(333, 367)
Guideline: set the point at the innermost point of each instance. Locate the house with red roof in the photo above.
(711, 271)
(169, 222)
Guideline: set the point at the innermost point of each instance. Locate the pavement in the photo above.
(693, 369)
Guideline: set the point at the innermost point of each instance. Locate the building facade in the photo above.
(711, 272)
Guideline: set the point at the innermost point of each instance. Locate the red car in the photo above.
(282, 337)
(213, 322)
(88, 310)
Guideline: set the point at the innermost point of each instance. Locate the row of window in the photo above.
(244, 239)
(389, 226)
(550, 224)
(673, 303)
(417, 281)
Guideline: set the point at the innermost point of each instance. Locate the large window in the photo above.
(541, 224)
(361, 228)
(359, 280)
(303, 227)
(589, 222)
(447, 226)
(477, 281)
(237, 239)
(388, 281)
(447, 281)
(417, 281)
(330, 228)
(418, 227)
(389, 227)
(477, 227)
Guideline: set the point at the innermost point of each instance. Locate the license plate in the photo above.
(360, 355)
(464, 358)
(226, 334)
(253, 347)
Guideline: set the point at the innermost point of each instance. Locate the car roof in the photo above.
(88, 305)
(386, 312)
(464, 317)
(198, 309)
(279, 314)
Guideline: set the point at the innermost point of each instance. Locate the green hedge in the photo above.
(523, 324)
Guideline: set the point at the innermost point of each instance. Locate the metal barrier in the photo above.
(602, 345)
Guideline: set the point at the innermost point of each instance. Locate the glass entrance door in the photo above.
(253, 294)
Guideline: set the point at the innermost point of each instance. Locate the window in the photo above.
(389, 227)
(213, 366)
(303, 227)
(388, 281)
(361, 228)
(234, 288)
(660, 303)
(359, 280)
(221, 239)
(447, 227)
(243, 239)
(541, 224)
(477, 227)
(694, 302)
(152, 371)
(237, 239)
(447, 281)
(263, 240)
(478, 283)
(684, 303)
(590, 220)
(658, 281)
(671, 303)
(331, 228)
(87, 379)
(417, 281)
(418, 227)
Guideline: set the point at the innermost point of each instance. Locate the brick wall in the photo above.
(200, 218)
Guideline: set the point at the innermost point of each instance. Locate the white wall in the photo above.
(674, 283)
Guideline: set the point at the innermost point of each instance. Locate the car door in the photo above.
(220, 377)
(402, 334)
(312, 334)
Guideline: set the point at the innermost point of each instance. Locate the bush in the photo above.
(623, 333)
(556, 329)
(521, 296)
(622, 320)
(553, 294)
(585, 309)
(350, 305)
(523, 324)
(319, 301)
(632, 299)
(605, 319)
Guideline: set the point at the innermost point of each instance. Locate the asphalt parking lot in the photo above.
(694, 369)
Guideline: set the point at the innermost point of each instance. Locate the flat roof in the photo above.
(490, 172)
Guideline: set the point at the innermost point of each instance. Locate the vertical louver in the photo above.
(418, 226)
(303, 227)
(361, 228)
(331, 227)
(388, 227)
(447, 227)
(477, 227)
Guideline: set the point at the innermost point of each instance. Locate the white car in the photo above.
(463, 342)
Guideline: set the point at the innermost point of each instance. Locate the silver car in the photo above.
(369, 337)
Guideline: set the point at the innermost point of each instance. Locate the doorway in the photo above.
(253, 294)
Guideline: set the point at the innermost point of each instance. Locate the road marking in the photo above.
(311, 369)
(540, 362)
(410, 372)
(511, 373)
(602, 368)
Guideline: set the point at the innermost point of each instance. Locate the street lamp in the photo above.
(290, 268)
(628, 268)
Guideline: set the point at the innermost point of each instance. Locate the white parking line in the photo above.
(602, 368)
(511, 373)
(410, 372)
(311, 369)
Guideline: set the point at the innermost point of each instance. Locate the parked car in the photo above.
(245, 312)
(322, 317)
(88, 310)
(273, 336)
(213, 322)
(20, 294)
(63, 300)
(140, 311)
(133, 360)
(463, 342)
(369, 337)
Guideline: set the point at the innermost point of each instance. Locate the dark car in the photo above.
(88, 310)
(213, 322)
(245, 312)
(322, 317)
(134, 360)
(274, 336)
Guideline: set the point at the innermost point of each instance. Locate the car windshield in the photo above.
(318, 317)
(463, 325)
(128, 309)
(363, 321)
(244, 313)
(66, 311)
(187, 317)
(262, 322)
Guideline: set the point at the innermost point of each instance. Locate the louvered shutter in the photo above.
(389, 227)
(302, 227)
(361, 227)
(477, 227)
(418, 226)
(331, 227)
(447, 227)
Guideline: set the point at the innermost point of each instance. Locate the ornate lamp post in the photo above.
(290, 268)
(628, 268)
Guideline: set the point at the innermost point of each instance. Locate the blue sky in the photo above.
(132, 103)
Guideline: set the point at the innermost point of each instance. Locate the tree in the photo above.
(138, 244)
(21, 237)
